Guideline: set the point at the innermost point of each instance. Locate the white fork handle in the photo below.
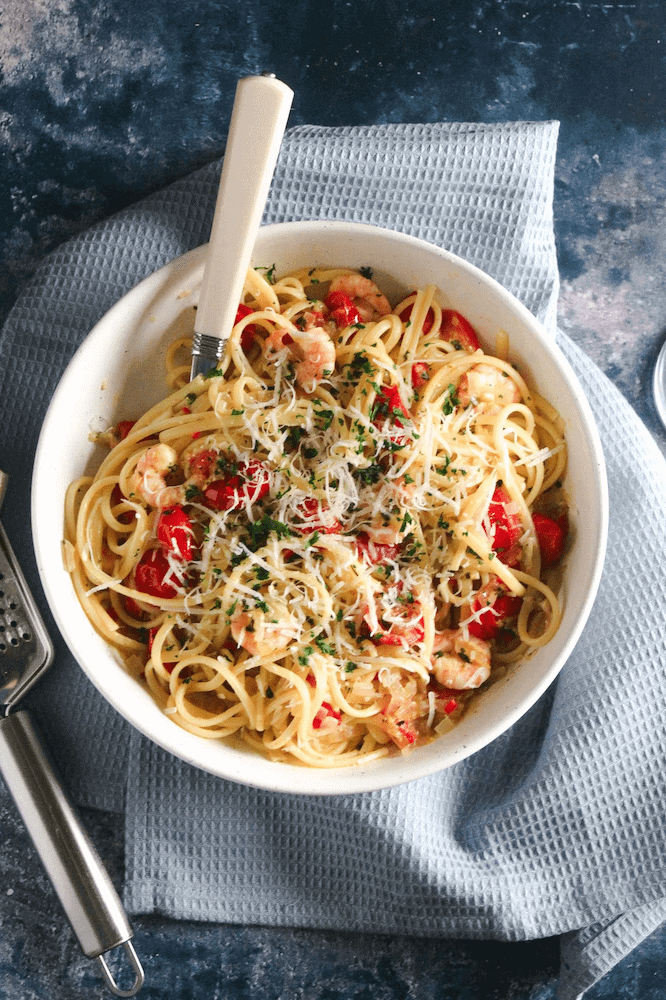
(258, 120)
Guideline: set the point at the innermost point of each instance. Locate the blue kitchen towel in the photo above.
(555, 828)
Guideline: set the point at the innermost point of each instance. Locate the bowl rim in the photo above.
(267, 775)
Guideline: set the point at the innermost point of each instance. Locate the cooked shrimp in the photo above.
(365, 295)
(395, 618)
(257, 636)
(313, 351)
(149, 477)
(488, 385)
(460, 662)
(401, 711)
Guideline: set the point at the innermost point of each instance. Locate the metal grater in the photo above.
(87, 894)
(26, 650)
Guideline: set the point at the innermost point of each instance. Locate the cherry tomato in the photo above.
(343, 311)
(308, 510)
(458, 331)
(373, 553)
(420, 374)
(132, 608)
(406, 313)
(250, 331)
(153, 575)
(504, 608)
(175, 533)
(508, 526)
(388, 404)
(249, 479)
(551, 535)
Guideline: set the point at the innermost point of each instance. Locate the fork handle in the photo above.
(83, 886)
(258, 120)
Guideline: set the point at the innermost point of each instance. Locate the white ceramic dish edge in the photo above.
(124, 351)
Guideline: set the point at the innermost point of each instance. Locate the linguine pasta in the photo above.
(326, 547)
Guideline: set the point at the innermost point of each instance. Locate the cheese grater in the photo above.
(76, 872)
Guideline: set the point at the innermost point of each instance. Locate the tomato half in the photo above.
(154, 576)
(246, 479)
(374, 553)
(389, 405)
(420, 374)
(458, 331)
(406, 313)
(311, 510)
(250, 331)
(343, 311)
(505, 608)
(551, 536)
(175, 533)
(508, 526)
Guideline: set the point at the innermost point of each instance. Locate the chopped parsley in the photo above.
(369, 475)
(323, 418)
(306, 653)
(293, 437)
(269, 273)
(259, 531)
(450, 400)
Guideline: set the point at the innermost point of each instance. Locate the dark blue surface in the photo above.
(102, 101)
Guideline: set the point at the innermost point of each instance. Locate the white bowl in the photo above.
(118, 372)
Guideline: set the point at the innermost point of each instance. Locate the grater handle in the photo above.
(76, 872)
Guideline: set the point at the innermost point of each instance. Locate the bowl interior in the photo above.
(118, 372)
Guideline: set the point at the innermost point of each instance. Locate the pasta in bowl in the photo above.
(344, 547)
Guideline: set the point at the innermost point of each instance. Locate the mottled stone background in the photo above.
(103, 101)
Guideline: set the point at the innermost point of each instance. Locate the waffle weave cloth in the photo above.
(556, 828)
